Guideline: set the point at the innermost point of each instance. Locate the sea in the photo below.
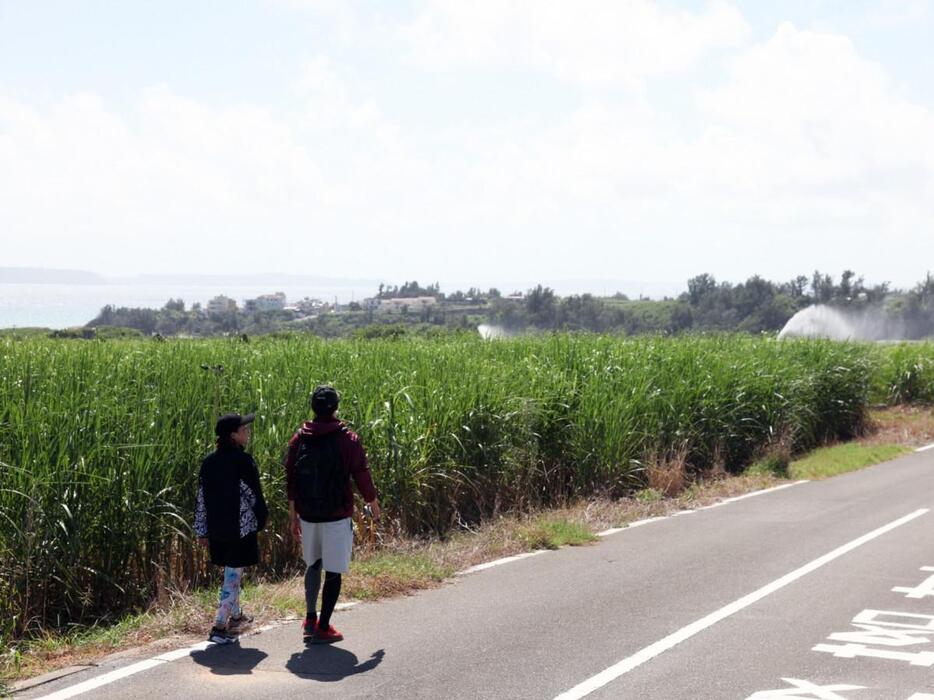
(67, 305)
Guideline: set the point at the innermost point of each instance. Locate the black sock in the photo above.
(332, 589)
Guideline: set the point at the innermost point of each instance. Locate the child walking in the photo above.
(230, 510)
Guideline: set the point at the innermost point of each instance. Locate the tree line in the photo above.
(755, 306)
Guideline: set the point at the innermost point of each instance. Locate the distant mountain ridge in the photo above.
(42, 275)
(250, 280)
(273, 280)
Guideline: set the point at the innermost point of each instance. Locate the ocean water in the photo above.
(65, 305)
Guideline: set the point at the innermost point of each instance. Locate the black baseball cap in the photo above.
(231, 422)
(324, 400)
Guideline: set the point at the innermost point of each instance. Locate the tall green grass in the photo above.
(100, 441)
(904, 373)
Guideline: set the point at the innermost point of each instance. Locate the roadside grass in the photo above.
(775, 463)
(383, 574)
(398, 565)
(552, 533)
(839, 459)
(912, 426)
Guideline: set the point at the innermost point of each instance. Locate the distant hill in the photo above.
(42, 275)
(251, 280)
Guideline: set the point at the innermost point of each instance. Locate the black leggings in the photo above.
(332, 590)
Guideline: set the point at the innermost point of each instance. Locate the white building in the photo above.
(268, 302)
(311, 306)
(221, 305)
(399, 304)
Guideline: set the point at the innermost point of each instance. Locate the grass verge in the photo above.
(552, 533)
(839, 459)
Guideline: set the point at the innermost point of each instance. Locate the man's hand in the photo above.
(374, 508)
(203, 541)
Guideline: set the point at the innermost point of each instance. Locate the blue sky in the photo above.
(634, 143)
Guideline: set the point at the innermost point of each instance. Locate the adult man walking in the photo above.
(323, 457)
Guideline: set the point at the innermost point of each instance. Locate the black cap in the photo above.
(324, 400)
(231, 422)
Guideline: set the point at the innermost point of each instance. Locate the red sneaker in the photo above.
(328, 636)
(309, 627)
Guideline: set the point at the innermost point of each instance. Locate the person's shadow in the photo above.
(229, 660)
(330, 663)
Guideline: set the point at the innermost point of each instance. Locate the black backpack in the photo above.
(321, 476)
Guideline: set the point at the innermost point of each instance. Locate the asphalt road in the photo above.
(788, 594)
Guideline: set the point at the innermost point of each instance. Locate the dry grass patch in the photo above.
(912, 426)
(667, 476)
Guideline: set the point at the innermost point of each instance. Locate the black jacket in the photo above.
(223, 476)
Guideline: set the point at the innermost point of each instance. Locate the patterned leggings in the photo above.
(230, 596)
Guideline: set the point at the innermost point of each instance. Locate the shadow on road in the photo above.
(330, 663)
(229, 660)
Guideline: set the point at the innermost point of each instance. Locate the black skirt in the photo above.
(235, 553)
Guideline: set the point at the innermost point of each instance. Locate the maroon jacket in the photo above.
(353, 456)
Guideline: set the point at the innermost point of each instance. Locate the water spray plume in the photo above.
(818, 322)
(488, 331)
(841, 324)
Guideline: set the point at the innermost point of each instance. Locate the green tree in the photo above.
(540, 306)
(700, 287)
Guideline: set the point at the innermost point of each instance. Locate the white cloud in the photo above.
(181, 178)
(881, 13)
(591, 41)
(807, 115)
(805, 149)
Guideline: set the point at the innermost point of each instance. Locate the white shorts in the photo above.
(332, 543)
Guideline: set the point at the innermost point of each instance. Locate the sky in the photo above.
(605, 142)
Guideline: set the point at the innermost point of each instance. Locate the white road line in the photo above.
(640, 657)
(753, 493)
(638, 523)
(165, 657)
(926, 447)
(629, 526)
(497, 562)
(104, 679)
(182, 653)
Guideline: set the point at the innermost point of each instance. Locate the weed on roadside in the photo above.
(546, 533)
(846, 457)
